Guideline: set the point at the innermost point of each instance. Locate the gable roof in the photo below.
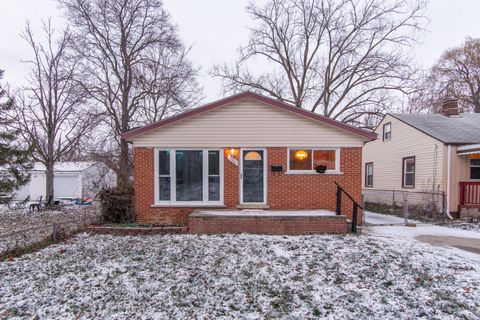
(130, 135)
(461, 129)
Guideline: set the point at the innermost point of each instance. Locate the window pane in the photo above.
(164, 188)
(387, 128)
(410, 165)
(475, 162)
(475, 172)
(214, 188)
(189, 166)
(369, 169)
(164, 162)
(214, 163)
(370, 180)
(300, 159)
(369, 175)
(409, 179)
(324, 158)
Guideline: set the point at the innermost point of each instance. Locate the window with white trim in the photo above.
(186, 176)
(387, 131)
(408, 179)
(475, 169)
(369, 174)
(308, 159)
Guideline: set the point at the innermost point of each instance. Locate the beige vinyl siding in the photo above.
(406, 141)
(248, 124)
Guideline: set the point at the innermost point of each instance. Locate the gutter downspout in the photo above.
(449, 164)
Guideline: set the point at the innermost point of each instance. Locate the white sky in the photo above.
(216, 28)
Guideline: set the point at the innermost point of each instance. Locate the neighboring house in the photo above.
(427, 153)
(246, 151)
(71, 180)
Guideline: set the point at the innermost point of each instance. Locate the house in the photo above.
(71, 180)
(428, 153)
(250, 152)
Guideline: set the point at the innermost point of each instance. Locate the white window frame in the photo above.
(389, 125)
(405, 172)
(173, 178)
(328, 171)
(367, 164)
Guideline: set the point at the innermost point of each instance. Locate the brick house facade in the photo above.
(285, 191)
(247, 122)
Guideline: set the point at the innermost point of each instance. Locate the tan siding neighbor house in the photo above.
(426, 153)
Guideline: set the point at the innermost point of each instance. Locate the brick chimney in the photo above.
(450, 107)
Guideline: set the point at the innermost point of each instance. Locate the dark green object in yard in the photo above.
(14, 160)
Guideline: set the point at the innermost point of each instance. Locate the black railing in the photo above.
(354, 209)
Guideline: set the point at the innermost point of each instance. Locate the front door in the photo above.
(252, 176)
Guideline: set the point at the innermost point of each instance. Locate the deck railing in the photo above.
(470, 193)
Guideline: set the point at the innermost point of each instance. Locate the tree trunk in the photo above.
(123, 174)
(49, 179)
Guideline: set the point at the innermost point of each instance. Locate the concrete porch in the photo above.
(270, 222)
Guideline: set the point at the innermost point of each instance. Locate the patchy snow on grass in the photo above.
(19, 219)
(239, 277)
(472, 225)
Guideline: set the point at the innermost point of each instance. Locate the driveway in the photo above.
(465, 243)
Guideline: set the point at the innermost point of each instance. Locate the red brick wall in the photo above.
(285, 191)
(268, 225)
(307, 191)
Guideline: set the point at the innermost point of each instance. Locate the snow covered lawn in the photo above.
(240, 277)
(473, 225)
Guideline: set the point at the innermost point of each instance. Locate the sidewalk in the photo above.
(465, 243)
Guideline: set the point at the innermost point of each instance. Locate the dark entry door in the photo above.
(253, 187)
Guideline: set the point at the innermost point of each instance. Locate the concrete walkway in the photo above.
(378, 219)
(466, 243)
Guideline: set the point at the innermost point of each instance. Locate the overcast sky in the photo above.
(216, 28)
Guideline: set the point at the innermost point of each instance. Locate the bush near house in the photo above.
(117, 206)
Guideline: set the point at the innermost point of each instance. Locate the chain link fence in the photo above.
(34, 237)
(410, 205)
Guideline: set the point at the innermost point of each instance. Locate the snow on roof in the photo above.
(65, 166)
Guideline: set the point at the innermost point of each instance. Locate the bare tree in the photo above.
(114, 41)
(346, 59)
(168, 80)
(455, 75)
(50, 110)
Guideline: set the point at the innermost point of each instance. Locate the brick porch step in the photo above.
(270, 222)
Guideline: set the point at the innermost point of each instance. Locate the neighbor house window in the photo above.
(387, 131)
(408, 179)
(188, 176)
(307, 160)
(475, 169)
(369, 174)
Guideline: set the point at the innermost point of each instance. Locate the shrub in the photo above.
(117, 206)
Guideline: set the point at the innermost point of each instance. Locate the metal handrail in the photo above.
(338, 210)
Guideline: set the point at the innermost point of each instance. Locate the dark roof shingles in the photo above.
(462, 129)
